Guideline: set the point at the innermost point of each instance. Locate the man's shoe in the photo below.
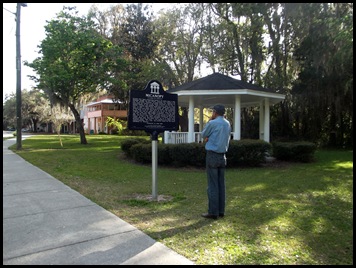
(221, 215)
(209, 216)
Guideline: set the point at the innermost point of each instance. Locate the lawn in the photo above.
(285, 213)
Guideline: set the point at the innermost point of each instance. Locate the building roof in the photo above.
(104, 101)
(219, 88)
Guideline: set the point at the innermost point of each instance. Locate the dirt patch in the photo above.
(148, 197)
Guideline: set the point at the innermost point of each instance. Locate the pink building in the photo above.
(96, 113)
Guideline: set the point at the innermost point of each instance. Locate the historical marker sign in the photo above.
(152, 109)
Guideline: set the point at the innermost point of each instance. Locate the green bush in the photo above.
(247, 152)
(301, 151)
(241, 153)
(141, 152)
(170, 154)
(164, 156)
(188, 154)
(128, 143)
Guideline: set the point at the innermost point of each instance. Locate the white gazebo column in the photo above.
(261, 121)
(237, 118)
(266, 121)
(201, 118)
(191, 120)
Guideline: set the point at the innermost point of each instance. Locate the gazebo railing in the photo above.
(173, 137)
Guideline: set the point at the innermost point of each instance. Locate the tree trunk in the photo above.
(34, 123)
(183, 120)
(83, 139)
(60, 138)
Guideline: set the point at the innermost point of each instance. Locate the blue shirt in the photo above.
(218, 131)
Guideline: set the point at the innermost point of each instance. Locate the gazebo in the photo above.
(218, 88)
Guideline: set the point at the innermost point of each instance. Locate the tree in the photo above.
(75, 60)
(131, 28)
(180, 49)
(108, 24)
(58, 116)
(9, 111)
(323, 92)
(32, 106)
(136, 36)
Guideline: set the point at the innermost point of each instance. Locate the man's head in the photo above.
(219, 109)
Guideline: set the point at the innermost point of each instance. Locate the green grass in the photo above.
(293, 214)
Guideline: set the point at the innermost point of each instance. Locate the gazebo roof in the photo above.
(219, 88)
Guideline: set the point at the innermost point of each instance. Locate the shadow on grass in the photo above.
(179, 229)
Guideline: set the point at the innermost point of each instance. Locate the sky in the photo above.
(32, 21)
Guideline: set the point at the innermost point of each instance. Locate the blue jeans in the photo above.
(215, 167)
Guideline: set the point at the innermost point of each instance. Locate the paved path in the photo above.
(47, 223)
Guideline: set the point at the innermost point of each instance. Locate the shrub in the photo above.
(188, 154)
(176, 154)
(141, 152)
(128, 143)
(247, 152)
(301, 151)
(164, 156)
(241, 153)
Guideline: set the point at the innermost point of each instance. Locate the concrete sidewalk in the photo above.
(47, 223)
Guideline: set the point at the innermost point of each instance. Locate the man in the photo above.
(216, 134)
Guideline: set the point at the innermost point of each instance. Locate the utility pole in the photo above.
(18, 78)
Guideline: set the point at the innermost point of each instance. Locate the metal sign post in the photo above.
(154, 137)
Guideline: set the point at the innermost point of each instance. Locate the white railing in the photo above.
(198, 137)
(173, 137)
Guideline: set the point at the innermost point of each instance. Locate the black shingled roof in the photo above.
(218, 81)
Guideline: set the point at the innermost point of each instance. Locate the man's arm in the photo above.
(206, 131)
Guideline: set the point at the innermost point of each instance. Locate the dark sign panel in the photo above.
(152, 109)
